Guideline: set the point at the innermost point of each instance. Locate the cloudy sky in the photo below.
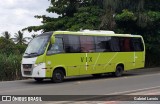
(18, 14)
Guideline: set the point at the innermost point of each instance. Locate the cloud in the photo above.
(18, 14)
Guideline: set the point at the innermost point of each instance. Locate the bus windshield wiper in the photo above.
(26, 53)
(33, 53)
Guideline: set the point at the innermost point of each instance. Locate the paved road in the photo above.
(132, 82)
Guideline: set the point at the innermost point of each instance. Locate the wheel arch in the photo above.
(63, 69)
(122, 65)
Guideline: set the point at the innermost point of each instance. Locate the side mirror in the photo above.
(52, 39)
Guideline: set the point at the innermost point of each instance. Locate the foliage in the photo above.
(6, 35)
(19, 38)
(34, 35)
(10, 58)
(10, 67)
(21, 48)
(85, 18)
(73, 15)
(8, 47)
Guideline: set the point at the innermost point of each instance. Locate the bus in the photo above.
(59, 54)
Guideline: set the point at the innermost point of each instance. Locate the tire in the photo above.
(119, 71)
(97, 75)
(38, 79)
(58, 76)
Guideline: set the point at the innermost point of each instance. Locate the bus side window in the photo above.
(137, 44)
(127, 47)
(57, 47)
(115, 46)
(102, 44)
(71, 44)
(125, 44)
(87, 44)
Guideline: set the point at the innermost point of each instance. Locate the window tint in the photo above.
(87, 44)
(137, 44)
(102, 44)
(126, 44)
(71, 43)
(118, 44)
(78, 44)
(115, 44)
(57, 47)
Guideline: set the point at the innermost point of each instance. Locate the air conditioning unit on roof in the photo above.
(98, 31)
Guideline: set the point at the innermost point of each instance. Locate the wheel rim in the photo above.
(58, 76)
(119, 71)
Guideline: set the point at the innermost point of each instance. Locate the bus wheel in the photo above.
(38, 79)
(97, 75)
(119, 71)
(58, 76)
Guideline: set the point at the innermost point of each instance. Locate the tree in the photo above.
(73, 15)
(112, 7)
(7, 47)
(33, 36)
(6, 35)
(19, 39)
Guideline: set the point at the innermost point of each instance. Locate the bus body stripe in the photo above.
(111, 59)
(86, 61)
(96, 61)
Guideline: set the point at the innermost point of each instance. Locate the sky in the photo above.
(18, 14)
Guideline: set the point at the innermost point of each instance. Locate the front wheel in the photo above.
(119, 71)
(58, 76)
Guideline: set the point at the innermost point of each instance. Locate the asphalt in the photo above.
(138, 81)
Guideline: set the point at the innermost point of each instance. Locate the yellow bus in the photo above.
(61, 54)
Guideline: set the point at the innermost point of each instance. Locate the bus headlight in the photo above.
(35, 65)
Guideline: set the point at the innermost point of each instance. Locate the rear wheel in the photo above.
(38, 79)
(58, 76)
(119, 71)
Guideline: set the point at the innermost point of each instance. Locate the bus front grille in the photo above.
(27, 72)
(27, 69)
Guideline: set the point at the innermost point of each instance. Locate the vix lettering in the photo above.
(86, 59)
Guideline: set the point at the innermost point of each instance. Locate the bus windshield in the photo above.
(37, 46)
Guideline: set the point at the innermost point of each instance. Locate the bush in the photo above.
(10, 67)
(10, 59)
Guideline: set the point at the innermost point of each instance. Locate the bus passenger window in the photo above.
(57, 47)
(87, 44)
(102, 44)
(114, 43)
(127, 45)
(71, 44)
(137, 44)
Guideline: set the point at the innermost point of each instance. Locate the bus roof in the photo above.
(94, 33)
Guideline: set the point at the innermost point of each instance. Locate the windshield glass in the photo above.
(37, 46)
